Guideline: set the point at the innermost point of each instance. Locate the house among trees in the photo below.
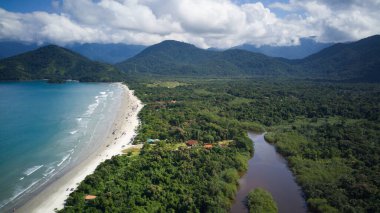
(89, 197)
(207, 146)
(191, 143)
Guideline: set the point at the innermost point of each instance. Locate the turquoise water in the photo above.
(45, 128)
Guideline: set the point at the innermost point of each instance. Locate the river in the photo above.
(267, 169)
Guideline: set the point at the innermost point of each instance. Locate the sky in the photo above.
(205, 23)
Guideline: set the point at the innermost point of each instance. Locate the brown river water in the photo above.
(267, 169)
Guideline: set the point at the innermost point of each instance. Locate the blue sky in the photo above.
(46, 5)
(26, 5)
(205, 23)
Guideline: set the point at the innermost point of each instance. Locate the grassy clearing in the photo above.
(225, 142)
(132, 151)
(177, 146)
(239, 101)
(202, 92)
(167, 84)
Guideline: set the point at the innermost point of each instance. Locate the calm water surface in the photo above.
(46, 128)
(268, 170)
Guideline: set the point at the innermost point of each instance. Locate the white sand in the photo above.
(124, 130)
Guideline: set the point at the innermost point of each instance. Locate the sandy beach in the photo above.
(120, 137)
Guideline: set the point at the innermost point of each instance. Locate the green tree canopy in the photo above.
(261, 201)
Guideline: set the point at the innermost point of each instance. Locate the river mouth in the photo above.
(267, 169)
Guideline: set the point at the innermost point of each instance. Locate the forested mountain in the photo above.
(306, 47)
(357, 61)
(178, 58)
(110, 53)
(57, 64)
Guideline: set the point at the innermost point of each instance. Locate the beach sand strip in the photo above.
(120, 137)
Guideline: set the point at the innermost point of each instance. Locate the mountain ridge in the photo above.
(306, 47)
(173, 57)
(359, 60)
(106, 53)
(57, 64)
(356, 61)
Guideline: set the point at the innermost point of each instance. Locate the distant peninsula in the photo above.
(56, 64)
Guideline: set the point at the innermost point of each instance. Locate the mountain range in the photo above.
(355, 61)
(179, 58)
(108, 53)
(358, 61)
(57, 64)
(115, 53)
(306, 47)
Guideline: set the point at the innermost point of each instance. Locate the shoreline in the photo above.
(119, 137)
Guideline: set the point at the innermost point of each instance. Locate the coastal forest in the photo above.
(322, 113)
(328, 132)
(190, 106)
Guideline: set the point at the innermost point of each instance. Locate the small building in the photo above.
(207, 146)
(192, 143)
(89, 197)
(150, 140)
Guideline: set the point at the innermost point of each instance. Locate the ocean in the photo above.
(47, 128)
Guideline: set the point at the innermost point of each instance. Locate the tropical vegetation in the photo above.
(328, 132)
(261, 201)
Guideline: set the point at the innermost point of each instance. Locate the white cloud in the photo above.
(336, 20)
(205, 23)
(45, 27)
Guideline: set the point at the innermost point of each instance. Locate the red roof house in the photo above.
(207, 146)
(192, 143)
(89, 197)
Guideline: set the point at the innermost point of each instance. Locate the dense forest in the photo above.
(161, 179)
(165, 177)
(328, 132)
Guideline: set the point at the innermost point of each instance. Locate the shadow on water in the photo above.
(268, 170)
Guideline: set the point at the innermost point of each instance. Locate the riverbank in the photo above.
(118, 138)
(267, 169)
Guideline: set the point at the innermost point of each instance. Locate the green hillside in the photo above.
(178, 58)
(356, 61)
(57, 64)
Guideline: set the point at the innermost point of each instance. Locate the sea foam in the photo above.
(32, 170)
(49, 171)
(64, 159)
(73, 132)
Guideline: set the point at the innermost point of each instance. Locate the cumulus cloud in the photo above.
(205, 23)
(336, 20)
